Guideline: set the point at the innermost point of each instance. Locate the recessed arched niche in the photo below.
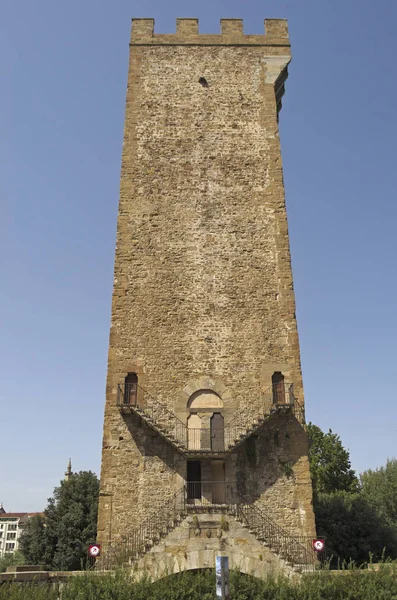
(204, 399)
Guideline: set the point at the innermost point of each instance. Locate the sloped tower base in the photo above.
(196, 542)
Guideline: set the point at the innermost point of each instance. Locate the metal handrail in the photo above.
(275, 396)
(210, 493)
(196, 441)
(142, 537)
(140, 399)
(291, 547)
(294, 549)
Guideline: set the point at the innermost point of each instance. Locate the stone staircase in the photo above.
(172, 430)
(149, 533)
(276, 399)
(295, 551)
(198, 442)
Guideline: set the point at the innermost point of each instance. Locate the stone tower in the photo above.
(204, 445)
(68, 472)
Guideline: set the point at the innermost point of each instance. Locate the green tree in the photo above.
(69, 526)
(346, 516)
(32, 541)
(9, 560)
(352, 528)
(72, 520)
(379, 487)
(330, 463)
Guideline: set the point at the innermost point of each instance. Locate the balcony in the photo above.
(208, 441)
(206, 494)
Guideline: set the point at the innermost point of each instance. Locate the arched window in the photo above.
(131, 389)
(205, 399)
(278, 388)
(211, 433)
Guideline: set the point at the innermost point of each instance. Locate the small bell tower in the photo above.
(68, 471)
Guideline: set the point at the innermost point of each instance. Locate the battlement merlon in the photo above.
(232, 33)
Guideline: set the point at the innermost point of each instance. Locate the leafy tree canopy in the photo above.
(330, 463)
(352, 528)
(357, 521)
(379, 488)
(60, 541)
(32, 542)
(9, 560)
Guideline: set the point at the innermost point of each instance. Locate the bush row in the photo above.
(349, 584)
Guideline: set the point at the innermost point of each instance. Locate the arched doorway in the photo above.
(206, 477)
(205, 402)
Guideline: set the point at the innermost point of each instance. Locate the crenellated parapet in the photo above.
(232, 33)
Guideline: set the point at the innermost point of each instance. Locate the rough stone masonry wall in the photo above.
(199, 539)
(272, 470)
(203, 283)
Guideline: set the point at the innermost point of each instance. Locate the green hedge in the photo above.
(351, 584)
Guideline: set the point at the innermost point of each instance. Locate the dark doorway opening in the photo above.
(193, 479)
(131, 389)
(278, 388)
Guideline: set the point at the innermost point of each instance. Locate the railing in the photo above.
(135, 396)
(210, 493)
(296, 550)
(143, 537)
(277, 396)
(209, 439)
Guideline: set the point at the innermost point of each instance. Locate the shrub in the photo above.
(350, 583)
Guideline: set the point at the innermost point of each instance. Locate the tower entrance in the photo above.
(205, 482)
(193, 480)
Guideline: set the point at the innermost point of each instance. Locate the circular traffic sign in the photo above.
(318, 545)
(94, 550)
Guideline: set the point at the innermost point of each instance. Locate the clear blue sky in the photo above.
(64, 69)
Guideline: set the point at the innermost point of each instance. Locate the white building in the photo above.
(11, 527)
(12, 524)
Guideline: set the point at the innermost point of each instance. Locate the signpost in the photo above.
(318, 545)
(222, 577)
(94, 550)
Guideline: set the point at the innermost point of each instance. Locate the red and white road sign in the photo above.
(318, 545)
(94, 550)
